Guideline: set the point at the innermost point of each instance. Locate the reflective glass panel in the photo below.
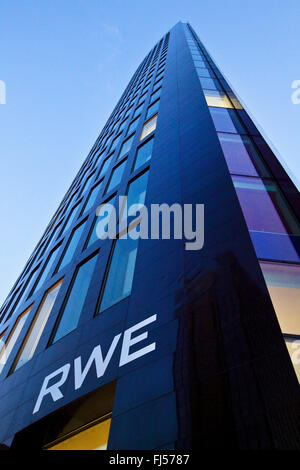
(116, 176)
(71, 246)
(76, 299)
(149, 127)
(120, 272)
(263, 206)
(12, 338)
(37, 327)
(283, 282)
(144, 154)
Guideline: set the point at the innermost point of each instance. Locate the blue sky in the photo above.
(66, 62)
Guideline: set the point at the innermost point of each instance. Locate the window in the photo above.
(116, 176)
(126, 147)
(137, 191)
(95, 235)
(76, 298)
(123, 125)
(71, 246)
(241, 155)
(71, 219)
(118, 281)
(115, 143)
(209, 83)
(12, 338)
(144, 154)
(204, 72)
(155, 95)
(47, 268)
(105, 166)
(149, 127)
(35, 331)
(157, 85)
(93, 437)
(137, 111)
(152, 109)
(226, 120)
(92, 197)
(283, 282)
(263, 206)
(217, 98)
(133, 126)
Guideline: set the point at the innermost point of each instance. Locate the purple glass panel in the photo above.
(257, 205)
(236, 155)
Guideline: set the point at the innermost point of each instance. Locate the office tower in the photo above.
(132, 343)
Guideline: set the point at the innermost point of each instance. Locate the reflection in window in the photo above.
(155, 96)
(226, 120)
(116, 176)
(35, 331)
(12, 338)
(105, 166)
(92, 197)
(208, 83)
(72, 310)
(283, 282)
(71, 219)
(119, 277)
(144, 153)
(94, 437)
(95, 234)
(136, 192)
(241, 155)
(263, 206)
(47, 268)
(126, 147)
(152, 109)
(132, 126)
(217, 98)
(71, 246)
(149, 127)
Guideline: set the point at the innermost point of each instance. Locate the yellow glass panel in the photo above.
(286, 302)
(92, 438)
(149, 127)
(217, 99)
(283, 282)
(293, 347)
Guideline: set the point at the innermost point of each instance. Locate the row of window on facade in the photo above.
(264, 207)
(117, 283)
(148, 127)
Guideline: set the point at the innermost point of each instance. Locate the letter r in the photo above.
(53, 389)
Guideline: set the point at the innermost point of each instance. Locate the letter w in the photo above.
(100, 363)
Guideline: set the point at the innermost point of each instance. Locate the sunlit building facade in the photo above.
(132, 343)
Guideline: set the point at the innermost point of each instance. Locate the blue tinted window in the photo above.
(126, 147)
(92, 197)
(226, 120)
(144, 154)
(47, 268)
(71, 246)
(116, 176)
(120, 273)
(152, 109)
(95, 236)
(76, 299)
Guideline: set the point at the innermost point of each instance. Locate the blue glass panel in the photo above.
(76, 299)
